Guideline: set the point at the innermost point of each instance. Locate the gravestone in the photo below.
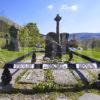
(64, 42)
(56, 43)
(51, 45)
(14, 43)
(6, 45)
(59, 47)
(57, 19)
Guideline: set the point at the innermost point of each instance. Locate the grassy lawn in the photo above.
(2, 42)
(91, 53)
(6, 56)
(75, 59)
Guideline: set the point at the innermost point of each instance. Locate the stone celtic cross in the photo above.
(57, 19)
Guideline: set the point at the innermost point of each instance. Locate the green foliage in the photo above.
(90, 44)
(49, 77)
(23, 37)
(75, 59)
(29, 35)
(73, 43)
(2, 42)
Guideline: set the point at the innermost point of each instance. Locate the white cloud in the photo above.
(50, 7)
(71, 7)
(74, 7)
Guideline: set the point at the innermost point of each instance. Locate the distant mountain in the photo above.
(82, 36)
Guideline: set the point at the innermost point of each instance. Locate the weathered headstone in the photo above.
(6, 45)
(51, 45)
(14, 43)
(64, 42)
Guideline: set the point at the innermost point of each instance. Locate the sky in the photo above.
(77, 15)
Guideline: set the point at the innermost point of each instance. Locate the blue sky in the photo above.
(77, 15)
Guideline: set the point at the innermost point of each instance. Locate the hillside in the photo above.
(5, 23)
(82, 36)
(7, 20)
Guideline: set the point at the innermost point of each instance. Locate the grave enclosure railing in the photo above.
(6, 76)
(92, 62)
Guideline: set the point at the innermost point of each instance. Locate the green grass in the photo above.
(91, 53)
(75, 59)
(2, 42)
(7, 56)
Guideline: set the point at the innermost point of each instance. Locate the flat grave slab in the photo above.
(64, 77)
(33, 76)
(16, 75)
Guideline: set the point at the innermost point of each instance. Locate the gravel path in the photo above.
(86, 96)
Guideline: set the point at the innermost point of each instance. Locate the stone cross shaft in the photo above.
(57, 19)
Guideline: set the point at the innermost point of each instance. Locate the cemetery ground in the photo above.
(91, 53)
(39, 84)
(7, 56)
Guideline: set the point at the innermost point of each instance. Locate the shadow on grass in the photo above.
(38, 90)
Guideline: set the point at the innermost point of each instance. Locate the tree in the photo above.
(73, 43)
(23, 37)
(29, 35)
(93, 43)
